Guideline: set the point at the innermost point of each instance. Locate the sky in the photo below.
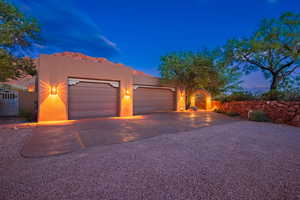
(138, 32)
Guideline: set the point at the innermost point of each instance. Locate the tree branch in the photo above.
(282, 59)
(285, 66)
(256, 63)
(291, 71)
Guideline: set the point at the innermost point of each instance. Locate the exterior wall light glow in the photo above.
(30, 88)
(127, 94)
(182, 94)
(53, 90)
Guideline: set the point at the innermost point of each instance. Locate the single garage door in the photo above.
(147, 100)
(92, 99)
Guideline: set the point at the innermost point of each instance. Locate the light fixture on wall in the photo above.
(127, 94)
(53, 90)
(182, 93)
(30, 88)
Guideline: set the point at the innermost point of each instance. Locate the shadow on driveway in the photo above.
(50, 140)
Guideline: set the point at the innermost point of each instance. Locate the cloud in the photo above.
(65, 28)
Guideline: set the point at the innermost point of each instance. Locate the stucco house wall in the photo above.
(140, 78)
(54, 71)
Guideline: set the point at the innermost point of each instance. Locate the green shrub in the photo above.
(258, 116)
(292, 95)
(237, 96)
(273, 95)
(232, 114)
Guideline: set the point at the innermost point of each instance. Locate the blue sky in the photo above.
(137, 32)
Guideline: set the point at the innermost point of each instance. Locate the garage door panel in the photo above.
(147, 100)
(91, 92)
(92, 100)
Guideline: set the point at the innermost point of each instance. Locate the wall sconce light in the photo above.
(127, 94)
(30, 88)
(53, 90)
(182, 94)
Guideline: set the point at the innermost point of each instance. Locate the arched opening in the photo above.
(201, 99)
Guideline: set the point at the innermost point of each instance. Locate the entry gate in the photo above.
(9, 102)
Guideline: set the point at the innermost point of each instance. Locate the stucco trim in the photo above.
(154, 87)
(74, 81)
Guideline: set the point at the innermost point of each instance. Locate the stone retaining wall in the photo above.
(278, 111)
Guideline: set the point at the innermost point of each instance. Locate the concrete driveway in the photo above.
(241, 160)
(64, 138)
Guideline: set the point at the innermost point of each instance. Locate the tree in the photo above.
(17, 34)
(274, 48)
(194, 71)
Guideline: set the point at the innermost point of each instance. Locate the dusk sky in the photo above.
(136, 32)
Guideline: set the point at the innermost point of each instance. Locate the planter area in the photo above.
(278, 111)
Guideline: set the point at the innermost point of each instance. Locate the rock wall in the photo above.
(278, 111)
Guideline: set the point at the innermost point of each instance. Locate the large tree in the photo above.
(274, 48)
(17, 34)
(194, 71)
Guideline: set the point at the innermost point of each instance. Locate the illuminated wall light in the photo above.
(127, 94)
(53, 90)
(30, 88)
(182, 94)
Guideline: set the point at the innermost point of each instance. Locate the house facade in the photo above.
(75, 86)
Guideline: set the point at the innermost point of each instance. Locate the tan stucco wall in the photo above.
(54, 70)
(140, 79)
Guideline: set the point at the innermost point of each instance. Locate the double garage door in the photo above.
(95, 98)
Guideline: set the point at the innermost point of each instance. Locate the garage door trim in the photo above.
(154, 87)
(74, 81)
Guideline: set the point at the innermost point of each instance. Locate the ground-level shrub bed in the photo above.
(272, 95)
(258, 116)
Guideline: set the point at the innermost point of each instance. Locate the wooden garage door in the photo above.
(147, 100)
(88, 99)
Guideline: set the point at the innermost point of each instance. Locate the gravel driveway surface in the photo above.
(240, 160)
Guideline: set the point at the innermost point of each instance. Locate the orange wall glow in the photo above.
(52, 108)
(126, 102)
(31, 88)
(53, 90)
(54, 71)
(180, 100)
(208, 103)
